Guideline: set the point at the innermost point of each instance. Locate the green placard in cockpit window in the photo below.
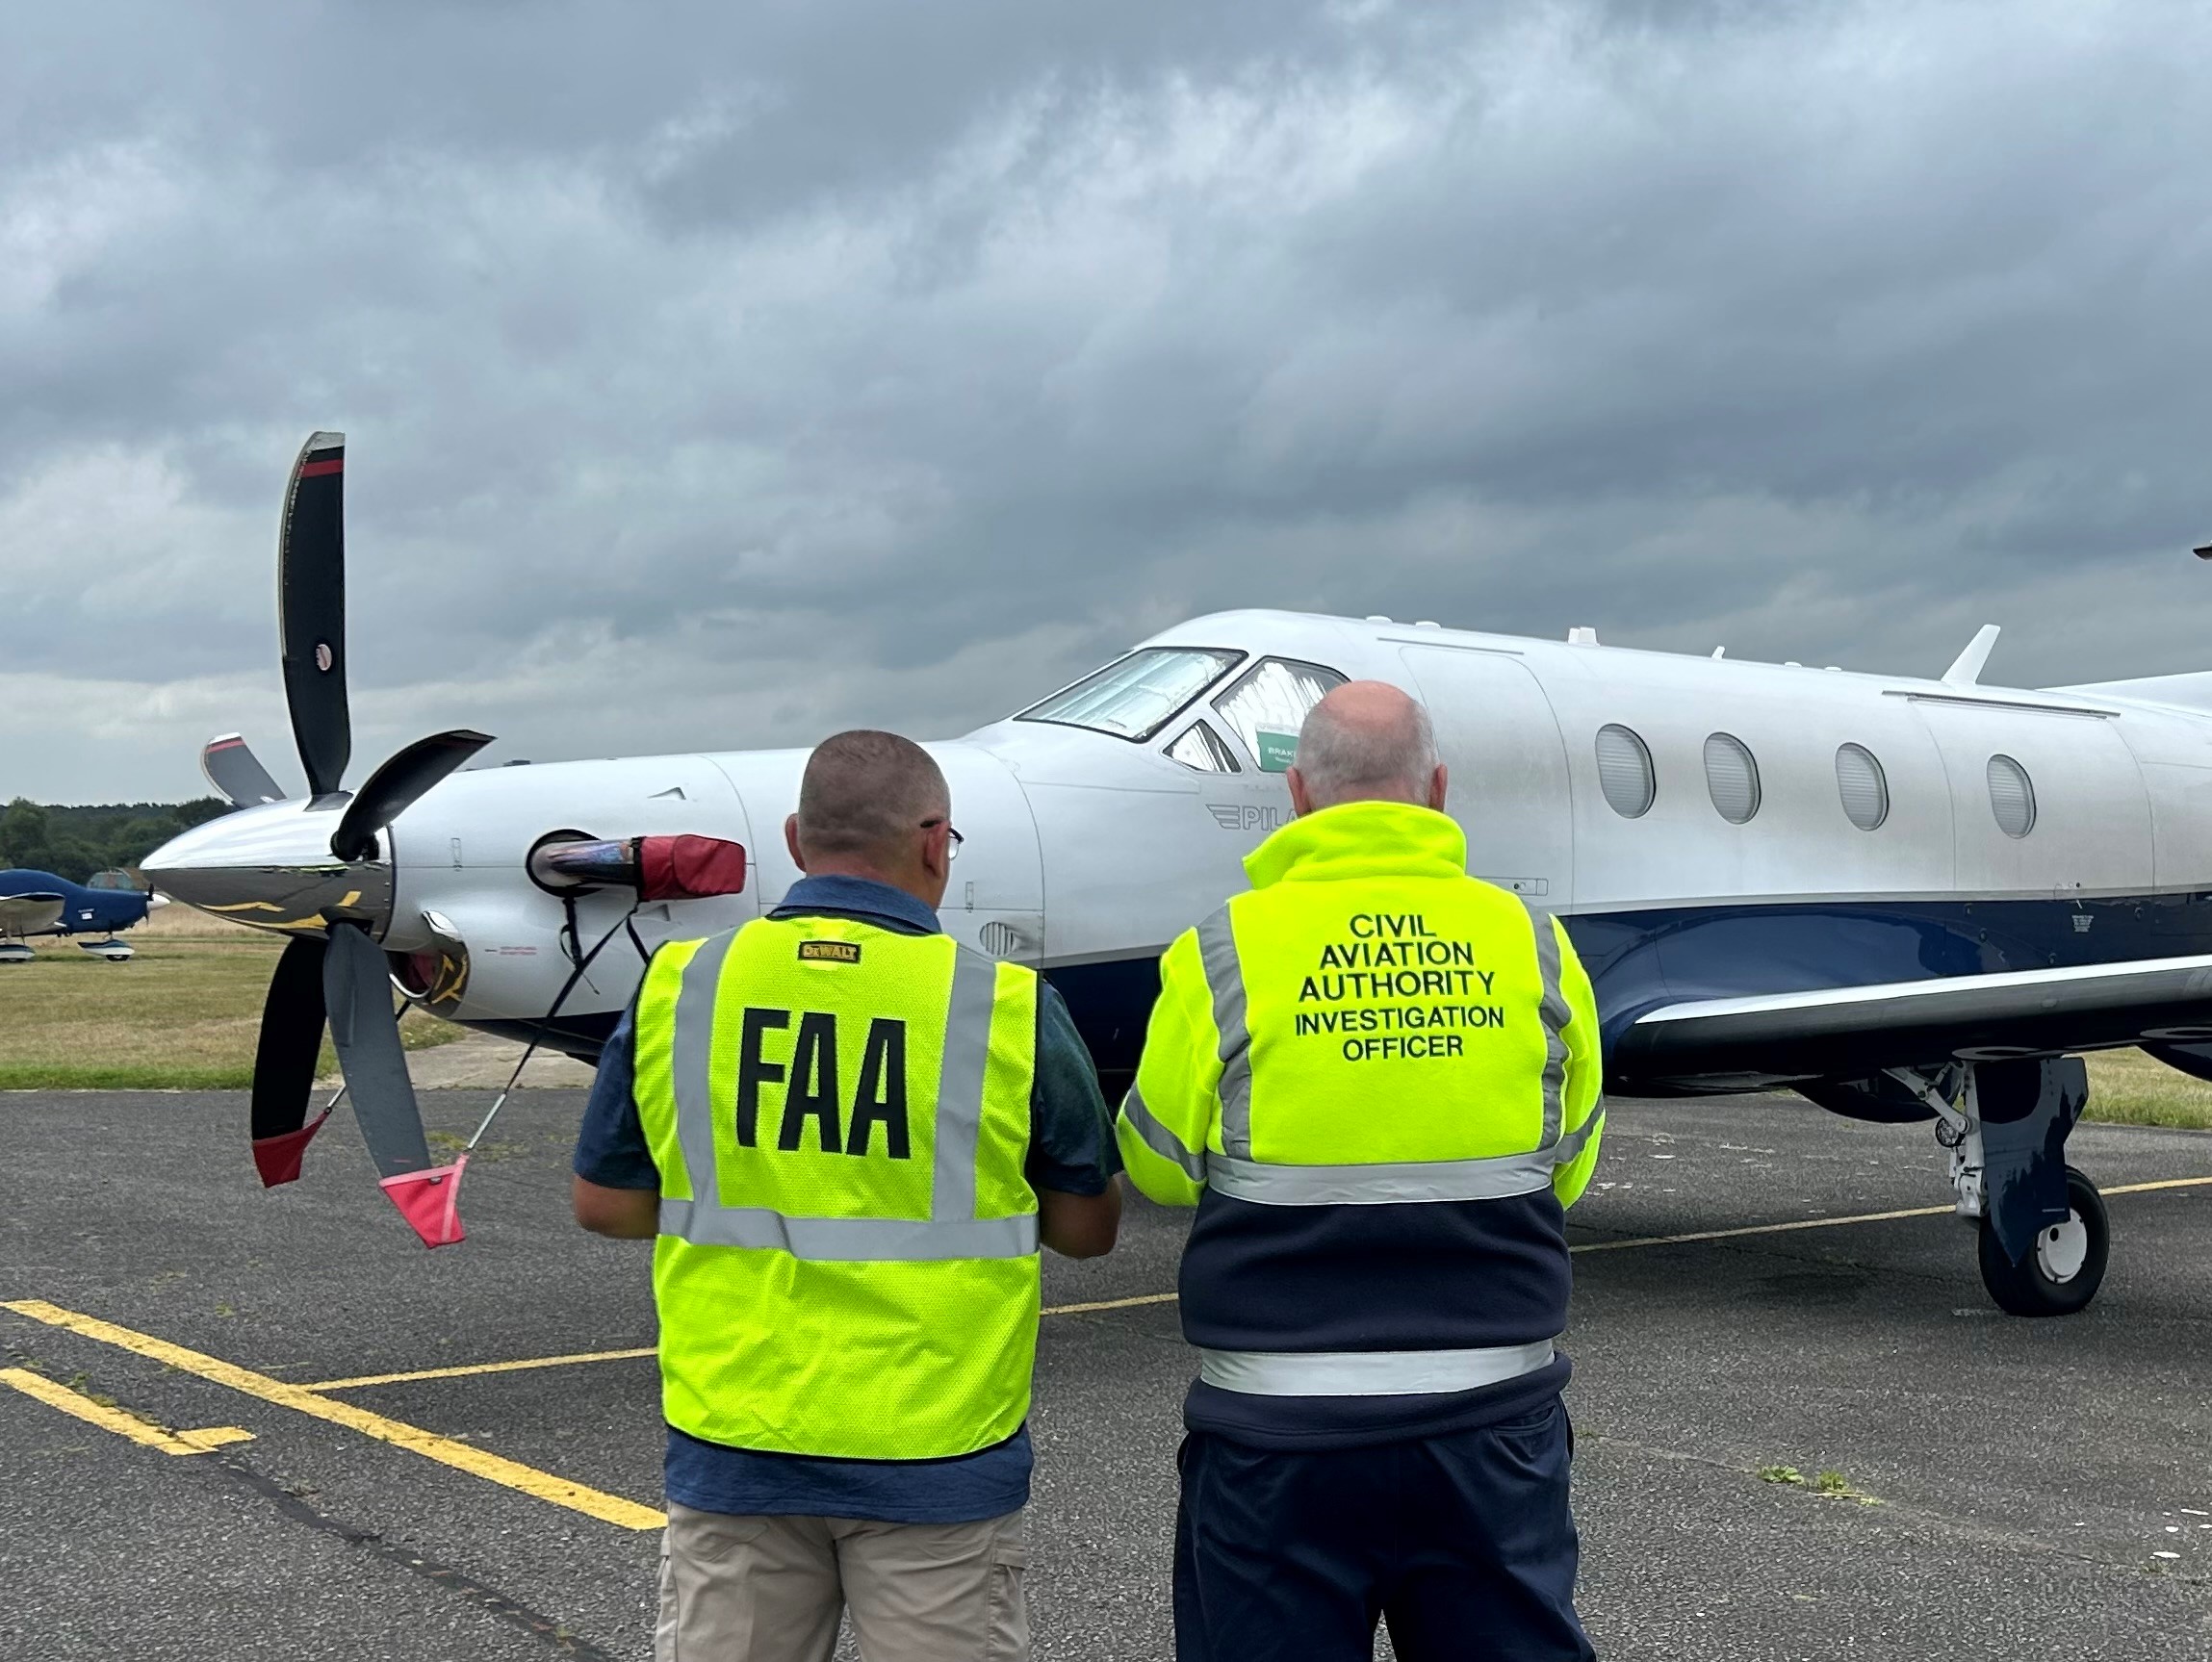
(1276, 750)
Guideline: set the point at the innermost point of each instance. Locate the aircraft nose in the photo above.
(272, 866)
(155, 902)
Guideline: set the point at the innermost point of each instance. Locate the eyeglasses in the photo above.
(952, 838)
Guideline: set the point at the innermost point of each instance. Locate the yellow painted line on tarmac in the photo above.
(1861, 1217)
(123, 1424)
(469, 1369)
(1760, 1229)
(306, 1399)
(1109, 1304)
(214, 1437)
(1149, 1299)
(446, 1451)
(2162, 1183)
(473, 1368)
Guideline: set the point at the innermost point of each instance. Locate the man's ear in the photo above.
(936, 850)
(1301, 802)
(792, 840)
(1437, 782)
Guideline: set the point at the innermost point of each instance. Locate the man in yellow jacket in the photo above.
(1377, 1080)
(849, 1135)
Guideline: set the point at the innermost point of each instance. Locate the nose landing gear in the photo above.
(2043, 1239)
(2061, 1273)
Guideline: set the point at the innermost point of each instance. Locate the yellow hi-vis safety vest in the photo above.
(847, 1262)
(1368, 1027)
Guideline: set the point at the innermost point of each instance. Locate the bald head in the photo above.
(873, 804)
(1366, 741)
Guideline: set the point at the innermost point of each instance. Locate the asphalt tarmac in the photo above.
(2014, 1487)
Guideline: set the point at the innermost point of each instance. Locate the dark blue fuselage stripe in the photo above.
(1640, 960)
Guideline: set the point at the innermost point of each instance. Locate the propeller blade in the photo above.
(311, 611)
(365, 1032)
(395, 786)
(237, 773)
(284, 1062)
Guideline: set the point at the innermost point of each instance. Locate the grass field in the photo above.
(2126, 1087)
(183, 1013)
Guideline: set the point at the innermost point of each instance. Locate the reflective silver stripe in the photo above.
(851, 1239)
(967, 1025)
(1568, 1149)
(1369, 1372)
(1272, 1185)
(1225, 977)
(1556, 1015)
(691, 1050)
(1495, 1178)
(1159, 1139)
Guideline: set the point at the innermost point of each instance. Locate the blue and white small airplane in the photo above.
(39, 903)
(1907, 900)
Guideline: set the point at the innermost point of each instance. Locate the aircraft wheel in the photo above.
(2062, 1271)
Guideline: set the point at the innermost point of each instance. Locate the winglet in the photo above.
(277, 1157)
(1965, 669)
(431, 1201)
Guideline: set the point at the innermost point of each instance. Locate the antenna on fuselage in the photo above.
(1966, 668)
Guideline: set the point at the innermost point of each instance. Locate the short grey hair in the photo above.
(864, 792)
(1343, 756)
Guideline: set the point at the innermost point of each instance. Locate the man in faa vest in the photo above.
(1377, 1080)
(849, 1135)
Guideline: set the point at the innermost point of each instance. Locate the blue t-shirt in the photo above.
(1071, 1150)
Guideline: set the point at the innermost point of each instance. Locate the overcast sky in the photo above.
(718, 375)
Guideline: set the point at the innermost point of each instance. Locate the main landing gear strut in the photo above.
(2042, 1236)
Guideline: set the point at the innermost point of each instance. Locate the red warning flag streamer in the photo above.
(430, 1202)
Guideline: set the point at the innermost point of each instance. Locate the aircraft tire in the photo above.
(2061, 1273)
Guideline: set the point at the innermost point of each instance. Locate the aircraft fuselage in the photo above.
(1087, 851)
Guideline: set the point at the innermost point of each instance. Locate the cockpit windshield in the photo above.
(1135, 697)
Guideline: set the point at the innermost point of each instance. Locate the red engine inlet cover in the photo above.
(689, 867)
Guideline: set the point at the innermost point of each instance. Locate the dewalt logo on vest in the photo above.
(828, 952)
(809, 1085)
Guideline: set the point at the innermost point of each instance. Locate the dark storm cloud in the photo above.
(712, 381)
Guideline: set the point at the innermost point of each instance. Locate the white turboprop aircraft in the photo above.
(1910, 899)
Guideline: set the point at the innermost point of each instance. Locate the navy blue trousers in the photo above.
(1462, 1544)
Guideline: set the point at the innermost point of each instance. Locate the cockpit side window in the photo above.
(1201, 749)
(1268, 705)
(1135, 697)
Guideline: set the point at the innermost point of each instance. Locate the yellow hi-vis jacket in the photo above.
(847, 1261)
(1369, 1028)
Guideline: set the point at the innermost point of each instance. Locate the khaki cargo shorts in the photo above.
(771, 1589)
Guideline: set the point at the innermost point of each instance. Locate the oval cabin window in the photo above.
(1625, 771)
(1732, 775)
(1866, 792)
(2012, 796)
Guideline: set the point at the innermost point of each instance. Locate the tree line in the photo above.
(77, 842)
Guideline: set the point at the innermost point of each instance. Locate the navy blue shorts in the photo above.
(1463, 1545)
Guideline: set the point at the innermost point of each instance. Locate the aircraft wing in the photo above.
(29, 913)
(1854, 1032)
